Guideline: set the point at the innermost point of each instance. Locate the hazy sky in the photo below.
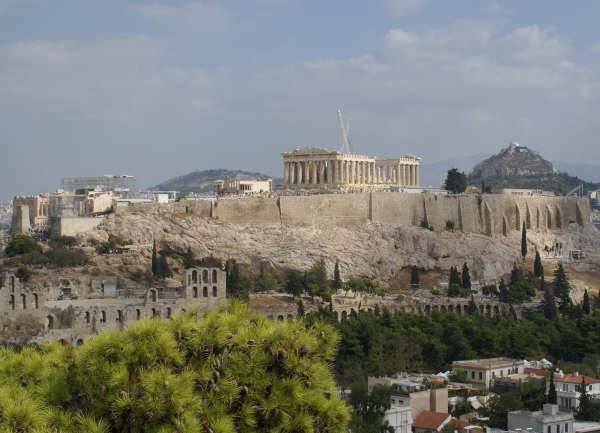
(158, 89)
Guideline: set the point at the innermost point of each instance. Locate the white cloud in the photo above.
(401, 7)
(196, 13)
(399, 36)
(495, 8)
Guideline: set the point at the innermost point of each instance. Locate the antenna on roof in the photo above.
(345, 129)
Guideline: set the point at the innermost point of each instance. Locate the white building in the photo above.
(399, 417)
(483, 372)
(568, 388)
(548, 420)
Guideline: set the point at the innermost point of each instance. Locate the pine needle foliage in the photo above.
(230, 370)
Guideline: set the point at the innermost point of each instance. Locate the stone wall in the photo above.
(491, 214)
(72, 226)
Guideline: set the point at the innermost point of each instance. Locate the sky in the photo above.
(157, 89)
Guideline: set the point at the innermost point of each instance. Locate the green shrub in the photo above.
(450, 225)
(425, 224)
(34, 258)
(66, 257)
(21, 244)
(23, 273)
(230, 370)
(63, 241)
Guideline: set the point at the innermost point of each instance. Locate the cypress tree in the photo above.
(503, 291)
(154, 268)
(454, 278)
(524, 242)
(585, 410)
(466, 277)
(300, 308)
(549, 305)
(415, 279)
(189, 261)
(562, 288)
(337, 279)
(552, 398)
(586, 303)
(538, 269)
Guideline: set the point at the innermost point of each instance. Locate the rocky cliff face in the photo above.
(380, 251)
(515, 160)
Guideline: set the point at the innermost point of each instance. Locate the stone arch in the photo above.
(451, 308)
(458, 309)
(102, 316)
(49, 322)
(496, 310)
(11, 302)
(36, 301)
(481, 309)
(214, 291)
(427, 309)
(204, 276)
(86, 317)
(537, 219)
(153, 296)
(64, 342)
(195, 292)
(205, 292)
(214, 276)
(527, 218)
(558, 218)
(290, 317)
(169, 312)
(443, 309)
(548, 218)
(138, 314)
(23, 301)
(11, 283)
(119, 318)
(488, 220)
(194, 276)
(465, 308)
(517, 218)
(280, 318)
(488, 310)
(79, 341)
(344, 315)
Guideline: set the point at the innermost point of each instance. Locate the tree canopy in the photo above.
(230, 370)
(456, 181)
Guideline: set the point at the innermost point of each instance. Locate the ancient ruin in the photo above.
(312, 168)
(71, 312)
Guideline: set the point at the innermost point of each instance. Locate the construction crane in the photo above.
(577, 191)
(345, 129)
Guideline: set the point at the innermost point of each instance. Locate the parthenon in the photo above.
(320, 168)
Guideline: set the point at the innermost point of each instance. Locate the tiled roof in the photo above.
(430, 420)
(569, 378)
(458, 424)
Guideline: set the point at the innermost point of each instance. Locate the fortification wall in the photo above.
(345, 210)
(72, 226)
(491, 214)
(255, 211)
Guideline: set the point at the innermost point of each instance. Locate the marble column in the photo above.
(299, 172)
(416, 175)
(322, 173)
(313, 176)
(285, 173)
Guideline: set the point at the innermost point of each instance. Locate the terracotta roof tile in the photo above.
(430, 420)
(569, 378)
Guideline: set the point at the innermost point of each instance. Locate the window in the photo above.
(195, 292)
(23, 302)
(35, 301)
(168, 312)
(119, 317)
(215, 291)
(153, 295)
(49, 322)
(480, 375)
(103, 317)
(11, 302)
(194, 276)
(205, 292)
(214, 276)
(549, 430)
(87, 317)
(472, 375)
(138, 314)
(204, 276)
(565, 387)
(567, 427)
(155, 313)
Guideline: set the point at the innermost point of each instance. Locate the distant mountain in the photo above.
(521, 167)
(589, 172)
(434, 174)
(200, 182)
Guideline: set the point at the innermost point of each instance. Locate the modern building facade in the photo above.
(548, 420)
(483, 372)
